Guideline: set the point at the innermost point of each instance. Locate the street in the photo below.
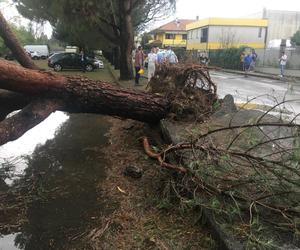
(244, 89)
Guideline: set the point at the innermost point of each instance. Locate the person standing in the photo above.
(282, 63)
(247, 63)
(242, 57)
(152, 61)
(160, 55)
(82, 61)
(171, 56)
(138, 63)
(254, 57)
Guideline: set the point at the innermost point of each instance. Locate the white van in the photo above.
(72, 49)
(37, 51)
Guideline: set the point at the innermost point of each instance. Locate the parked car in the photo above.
(60, 61)
(42, 51)
(34, 55)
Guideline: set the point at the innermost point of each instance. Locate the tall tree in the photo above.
(296, 38)
(114, 20)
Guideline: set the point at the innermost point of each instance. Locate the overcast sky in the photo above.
(230, 8)
(189, 9)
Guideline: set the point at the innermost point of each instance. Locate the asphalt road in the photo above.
(268, 91)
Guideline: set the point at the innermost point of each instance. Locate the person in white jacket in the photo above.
(152, 61)
(282, 63)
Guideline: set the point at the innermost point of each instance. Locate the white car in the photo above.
(34, 55)
(99, 63)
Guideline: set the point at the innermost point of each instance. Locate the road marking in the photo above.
(219, 76)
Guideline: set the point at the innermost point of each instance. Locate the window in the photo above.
(259, 32)
(204, 35)
(184, 37)
(170, 36)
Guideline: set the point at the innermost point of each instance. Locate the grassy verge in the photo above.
(98, 74)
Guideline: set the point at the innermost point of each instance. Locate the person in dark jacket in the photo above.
(247, 63)
(138, 63)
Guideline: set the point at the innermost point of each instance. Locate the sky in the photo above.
(189, 9)
(230, 8)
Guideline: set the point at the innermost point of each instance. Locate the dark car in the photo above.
(60, 61)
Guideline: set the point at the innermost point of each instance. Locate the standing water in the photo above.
(60, 173)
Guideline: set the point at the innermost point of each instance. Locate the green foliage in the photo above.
(91, 23)
(296, 38)
(226, 58)
(23, 35)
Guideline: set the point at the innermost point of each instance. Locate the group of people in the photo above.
(248, 61)
(155, 57)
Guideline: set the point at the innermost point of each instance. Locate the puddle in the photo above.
(60, 179)
(8, 242)
(12, 152)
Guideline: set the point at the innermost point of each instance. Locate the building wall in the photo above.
(282, 24)
(178, 40)
(227, 36)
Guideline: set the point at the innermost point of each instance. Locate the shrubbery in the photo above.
(226, 58)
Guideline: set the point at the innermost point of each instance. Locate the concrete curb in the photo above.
(262, 75)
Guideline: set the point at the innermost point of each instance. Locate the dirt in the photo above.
(139, 218)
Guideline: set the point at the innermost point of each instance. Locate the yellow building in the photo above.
(218, 33)
(172, 34)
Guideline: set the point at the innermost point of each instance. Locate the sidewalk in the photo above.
(270, 73)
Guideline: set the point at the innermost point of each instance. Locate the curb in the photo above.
(268, 76)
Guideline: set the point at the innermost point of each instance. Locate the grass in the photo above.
(98, 74)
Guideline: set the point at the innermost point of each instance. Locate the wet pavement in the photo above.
(268, 92)
(61, 167)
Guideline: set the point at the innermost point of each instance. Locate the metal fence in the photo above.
(269, 57)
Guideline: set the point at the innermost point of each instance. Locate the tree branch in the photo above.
(11, 101)
(12, 43)
(15, 126)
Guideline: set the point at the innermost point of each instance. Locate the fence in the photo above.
(269, 57)
(230, 58)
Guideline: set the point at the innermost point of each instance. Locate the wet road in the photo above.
(269, 91)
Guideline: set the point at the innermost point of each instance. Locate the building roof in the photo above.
(176, 25)
(254, 22)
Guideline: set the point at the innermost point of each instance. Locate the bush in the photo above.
(226, 58)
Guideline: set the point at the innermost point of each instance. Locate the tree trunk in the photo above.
(127, 39)
(82, 95)
(11, 42)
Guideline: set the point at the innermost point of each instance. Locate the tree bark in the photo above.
(127, 39)
(11, 42)
(15, 126)
(11, 101)
(80, 94)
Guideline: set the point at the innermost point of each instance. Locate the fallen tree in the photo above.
(39, 93)
(76, 95)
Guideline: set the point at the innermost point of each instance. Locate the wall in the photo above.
(282, 24)
(227, 36)
(269, 58)
(177, 42)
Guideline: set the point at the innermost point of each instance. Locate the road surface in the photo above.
(244, 88)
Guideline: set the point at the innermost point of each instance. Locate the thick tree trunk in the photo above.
(11, 42)
(83, 95)
(127, 39)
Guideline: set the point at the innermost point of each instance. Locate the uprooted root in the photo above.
(190, 88)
